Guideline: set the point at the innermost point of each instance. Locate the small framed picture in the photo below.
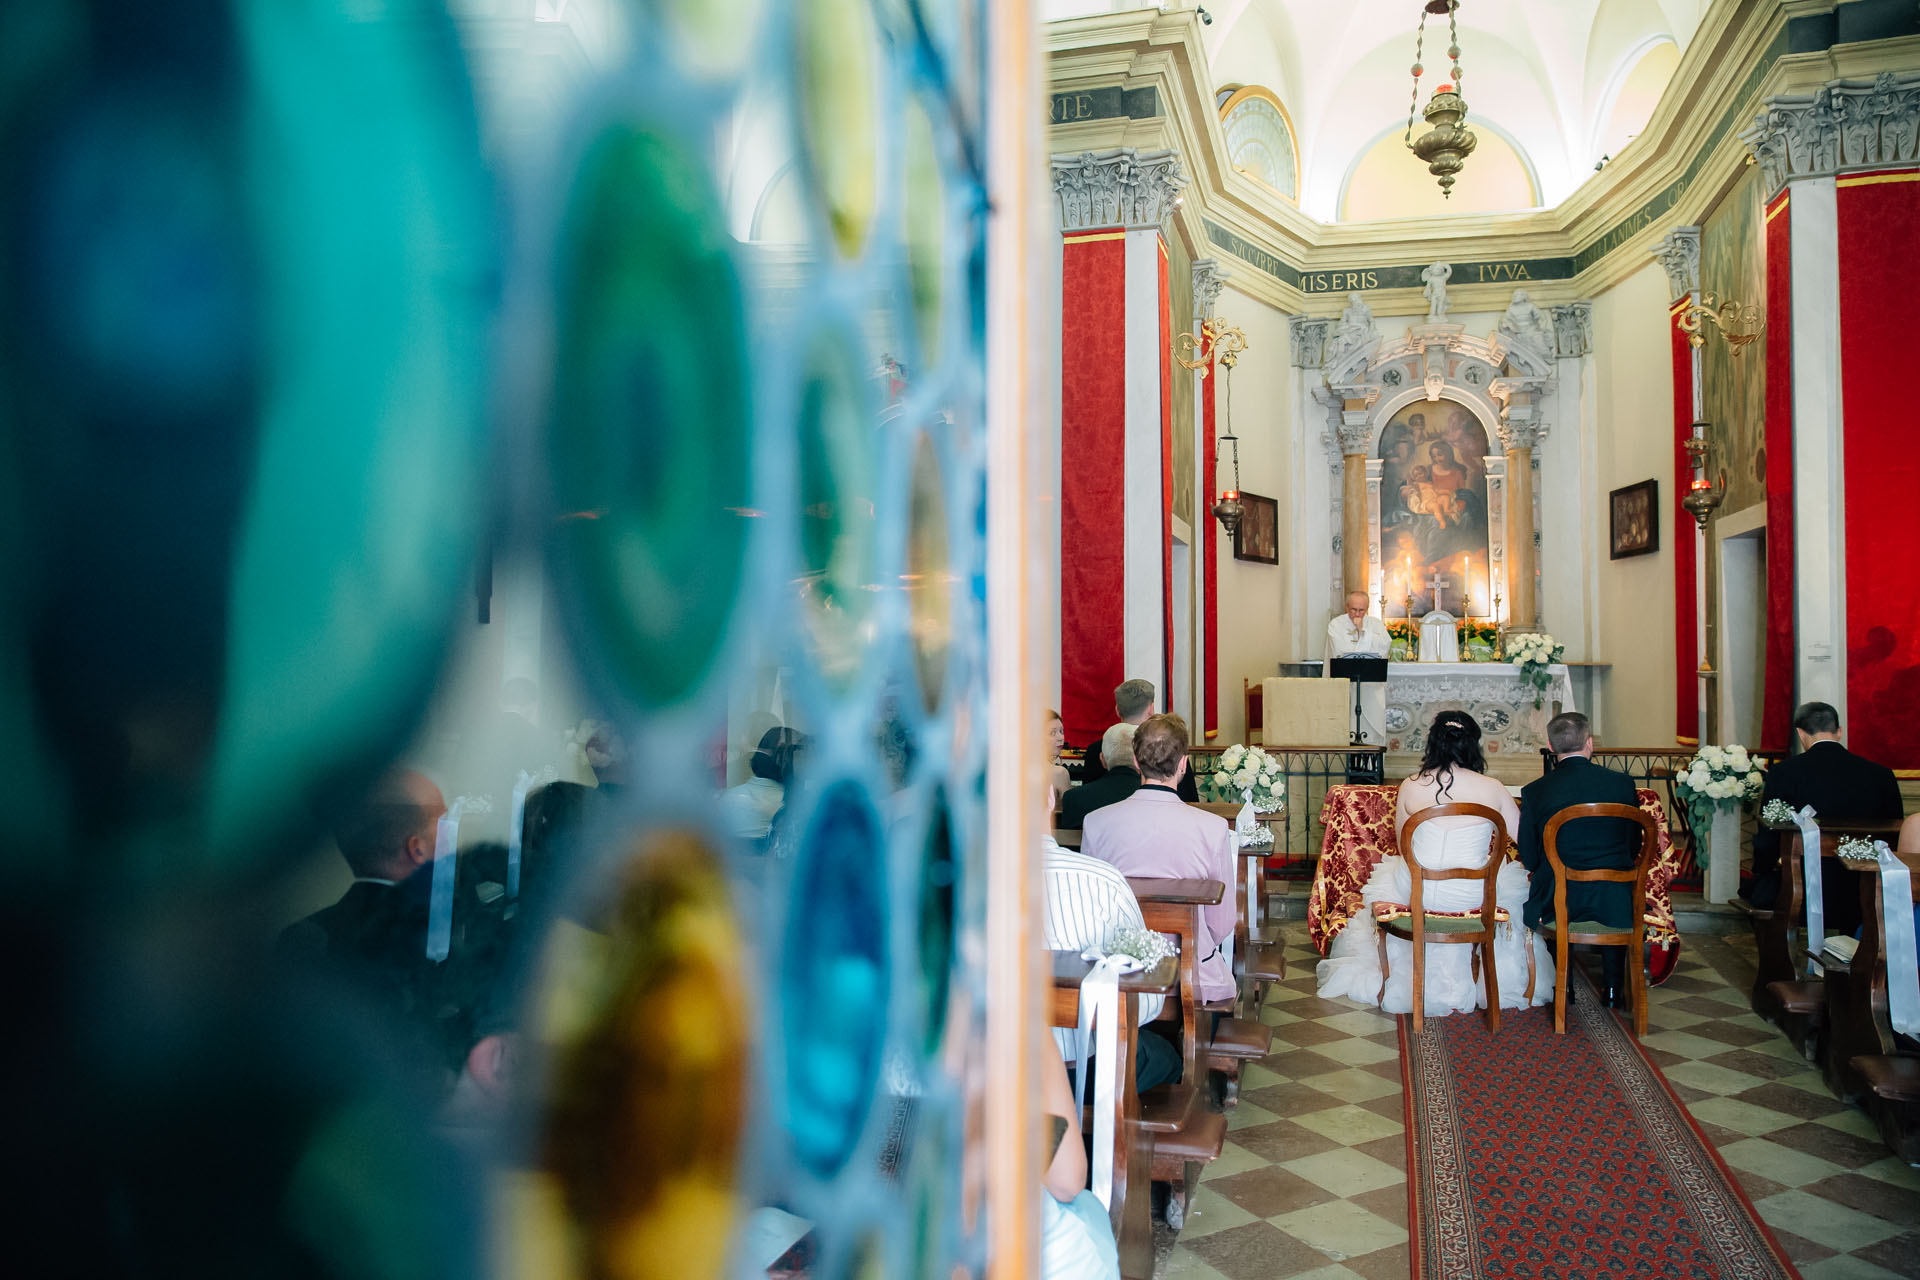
(1258, 537)
(1634, 520)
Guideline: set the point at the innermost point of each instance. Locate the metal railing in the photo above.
(1658, 769)
(1310, 772)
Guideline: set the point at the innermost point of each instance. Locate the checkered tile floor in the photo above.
(1313, 1185)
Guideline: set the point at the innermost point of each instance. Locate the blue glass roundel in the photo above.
(834, 979)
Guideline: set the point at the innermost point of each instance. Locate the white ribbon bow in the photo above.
(446, 849)
(1099, 1035)
(1903, 959)
(516, 824)
(1811, 882)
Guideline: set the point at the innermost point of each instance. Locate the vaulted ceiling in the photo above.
(1545, 74)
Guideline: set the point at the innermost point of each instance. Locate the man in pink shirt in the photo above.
(1153, 833)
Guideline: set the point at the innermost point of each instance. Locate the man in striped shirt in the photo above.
(1087, 900)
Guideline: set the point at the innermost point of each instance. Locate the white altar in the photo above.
(1491, 692)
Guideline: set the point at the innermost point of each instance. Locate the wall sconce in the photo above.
(1703, 497)
(1739, 323)
(1222, 342)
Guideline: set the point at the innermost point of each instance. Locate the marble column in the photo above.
(1352, 427)
(1521, 428)
(1116, 427)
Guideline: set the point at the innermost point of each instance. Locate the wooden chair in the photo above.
(1421, 927)
(1254, 695)
(1567, 931)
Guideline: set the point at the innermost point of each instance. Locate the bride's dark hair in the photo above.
(1453, 742)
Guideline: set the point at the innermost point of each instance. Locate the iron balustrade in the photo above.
(1309, 773)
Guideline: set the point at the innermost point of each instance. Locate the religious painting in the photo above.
(1433, 508)
(1258, 537)
(1634, 520)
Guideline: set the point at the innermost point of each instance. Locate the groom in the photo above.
(1583, 845)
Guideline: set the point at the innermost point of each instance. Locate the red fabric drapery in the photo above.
(1879, 224)
(1210, 545)
(1165, 679)
(1776, 713)
(1686, 613)
(1093, 424)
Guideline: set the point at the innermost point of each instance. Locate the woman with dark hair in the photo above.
(1451, 772)
(750, 807)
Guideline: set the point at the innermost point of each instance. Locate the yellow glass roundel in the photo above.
(650, 449)
(926, 226)
(646, 1017)
(839, 111)
(929, 575)
(715, 37)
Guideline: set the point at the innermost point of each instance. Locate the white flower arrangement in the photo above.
(1248, 774)
(1861, 849)
(1716, 779)
(1778, 813)
(1144, 945)
(1533, 652)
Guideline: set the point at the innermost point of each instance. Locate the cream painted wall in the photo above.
(1254, 636)
(1633, 392)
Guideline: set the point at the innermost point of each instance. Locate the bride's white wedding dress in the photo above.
(1352, 967)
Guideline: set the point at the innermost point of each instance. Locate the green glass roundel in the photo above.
(650, 413)
(837, 511)
(925, 230)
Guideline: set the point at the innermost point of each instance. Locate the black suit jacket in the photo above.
(1840, 786)
(1114, 786)
(1095, 768)
(1585, 845)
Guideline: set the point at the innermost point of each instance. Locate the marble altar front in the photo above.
(1491, 692)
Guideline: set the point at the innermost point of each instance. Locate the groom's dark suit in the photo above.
(1584, 845)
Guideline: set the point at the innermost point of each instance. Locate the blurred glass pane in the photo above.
(840, 112)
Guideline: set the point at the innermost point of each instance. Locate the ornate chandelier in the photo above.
(1446, 146)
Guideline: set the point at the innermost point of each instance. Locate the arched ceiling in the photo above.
(1546, 73)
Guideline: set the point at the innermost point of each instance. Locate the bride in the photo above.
(1450, 773)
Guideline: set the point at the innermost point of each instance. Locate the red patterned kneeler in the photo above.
(1535, 1156)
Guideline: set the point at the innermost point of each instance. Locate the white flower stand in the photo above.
(1723, 855)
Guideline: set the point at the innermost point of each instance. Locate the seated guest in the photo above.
(1841, 787)
(750, 807)
(1119, 781)
(1076, 1233)
(1133, 703)
(382, 917)
(1153, 833)
(1589, 844)
(1087, 900)
(1057, 776)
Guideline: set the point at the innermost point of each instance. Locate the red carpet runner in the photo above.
(1544, 1157)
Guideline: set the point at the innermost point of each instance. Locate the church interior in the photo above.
(864, 638)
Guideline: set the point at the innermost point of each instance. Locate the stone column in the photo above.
(1520, 428)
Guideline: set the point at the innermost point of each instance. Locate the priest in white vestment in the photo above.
(1359, 633)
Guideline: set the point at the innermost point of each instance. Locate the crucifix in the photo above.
(1439, 583)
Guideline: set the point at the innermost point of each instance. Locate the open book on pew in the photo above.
(1838, 949)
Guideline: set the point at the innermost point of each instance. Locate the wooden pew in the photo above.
(1856, 997)
(1068, 837)
(1174, 906)
(1131, 1201)
(1781, 993)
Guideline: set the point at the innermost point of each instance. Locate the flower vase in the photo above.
(1723, 854)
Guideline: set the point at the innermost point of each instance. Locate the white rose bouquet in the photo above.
(1534, 652)
(1247, 774)
(1717, 778)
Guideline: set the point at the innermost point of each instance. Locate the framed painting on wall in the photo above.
(1634, 520)
(1258, 537)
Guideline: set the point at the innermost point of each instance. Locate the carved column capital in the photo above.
(1208, 277)
(1352, 419)
(1679, 253)
(1521, 425)
(1573, 329)
(1843, 124)
(1309, 339)
(1121, 187)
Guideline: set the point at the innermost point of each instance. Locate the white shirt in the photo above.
(1370, 637)
(1087, 900)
